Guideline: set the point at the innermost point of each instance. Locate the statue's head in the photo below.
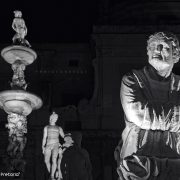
(163, 50)
(53, 117)
(17, 13)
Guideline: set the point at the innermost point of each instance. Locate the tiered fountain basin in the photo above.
(19, 101)
(22, 53)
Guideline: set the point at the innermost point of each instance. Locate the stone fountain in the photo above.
(17, 102)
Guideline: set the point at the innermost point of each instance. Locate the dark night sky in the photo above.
(73, 20)
(51, 21)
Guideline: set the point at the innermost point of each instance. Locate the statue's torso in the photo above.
(52, 134)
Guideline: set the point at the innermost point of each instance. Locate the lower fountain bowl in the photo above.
(19, 101)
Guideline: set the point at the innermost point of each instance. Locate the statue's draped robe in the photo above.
(151, 138)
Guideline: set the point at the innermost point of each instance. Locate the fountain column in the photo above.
(17, 102)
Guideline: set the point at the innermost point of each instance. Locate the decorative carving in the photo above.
(18, 78)
(17, 124)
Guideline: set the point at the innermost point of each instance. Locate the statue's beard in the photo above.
(159, 65)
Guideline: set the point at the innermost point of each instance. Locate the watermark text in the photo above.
(7, 174)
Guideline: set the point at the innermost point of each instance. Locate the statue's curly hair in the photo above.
(17, 13)
(167, 36)
(53, 114)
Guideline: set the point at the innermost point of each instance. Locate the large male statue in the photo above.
(50, 145)
(150, 97)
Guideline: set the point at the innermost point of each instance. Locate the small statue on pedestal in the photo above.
(21, 30)
(51, 144)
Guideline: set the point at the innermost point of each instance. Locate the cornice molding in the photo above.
(134, 29)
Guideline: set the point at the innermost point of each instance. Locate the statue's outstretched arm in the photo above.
(61, 132)
(44, 139)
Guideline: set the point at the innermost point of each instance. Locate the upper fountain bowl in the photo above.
(13, 53)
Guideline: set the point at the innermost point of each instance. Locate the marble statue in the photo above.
(51, 144)
(150, 97)
(19, 26)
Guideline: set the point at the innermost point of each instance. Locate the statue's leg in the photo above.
(27, 43)
(47, 155)
(59, 165)
(16, 36)
(55, 152)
